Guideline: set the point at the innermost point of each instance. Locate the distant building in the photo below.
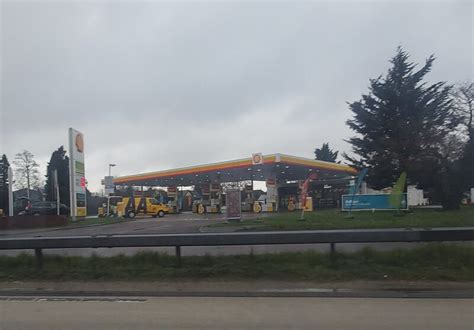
(415, 196)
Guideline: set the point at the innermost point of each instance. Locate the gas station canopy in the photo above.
(275, 166)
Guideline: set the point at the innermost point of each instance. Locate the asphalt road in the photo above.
(172, 223)
(181, 223)
(236, 313)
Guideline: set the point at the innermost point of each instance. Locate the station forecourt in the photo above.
(283, 175)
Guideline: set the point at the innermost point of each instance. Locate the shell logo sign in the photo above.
(257, 159)
(77, 174)
(80, 143)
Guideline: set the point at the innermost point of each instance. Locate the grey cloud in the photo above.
(157, 85)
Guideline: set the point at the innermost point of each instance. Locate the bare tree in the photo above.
(464, 103)
(26, 172)
(463, 97)
(453, 147)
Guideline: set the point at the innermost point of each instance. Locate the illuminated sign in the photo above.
(77, 174)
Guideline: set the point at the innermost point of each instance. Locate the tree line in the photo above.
(27, 176)
(405, 124)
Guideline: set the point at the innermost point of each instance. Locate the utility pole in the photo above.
(28, 182)
(108, 195)
(10, 192)
(56, 189)
(110, 168)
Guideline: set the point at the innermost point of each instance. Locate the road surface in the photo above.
(172, 223)
(235, 313)
(180, 223)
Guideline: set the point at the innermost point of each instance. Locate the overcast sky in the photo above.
(157, 85)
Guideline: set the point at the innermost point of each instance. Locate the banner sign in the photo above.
(77, 174)
(304, 186)
(355, 188)
(397, 191)
(233, 205)
(371, 202)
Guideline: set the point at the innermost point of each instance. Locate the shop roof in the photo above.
(277, 166)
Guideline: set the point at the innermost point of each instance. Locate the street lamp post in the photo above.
(110, 168)
(10, 192)
(108, 197)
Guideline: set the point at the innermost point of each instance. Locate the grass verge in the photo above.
(334, 219)
(434, 261)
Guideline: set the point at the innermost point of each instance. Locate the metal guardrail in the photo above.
(241, 238)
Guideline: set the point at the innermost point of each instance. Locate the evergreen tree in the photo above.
(60, 162)
(94, 202)
(402, 124)
(325, 153)
(448, 185)
(4, 164)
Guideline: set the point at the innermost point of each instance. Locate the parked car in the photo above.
(47, 208)
(21, 205)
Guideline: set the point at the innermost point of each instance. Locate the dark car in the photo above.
(47, 208)
(20, 205)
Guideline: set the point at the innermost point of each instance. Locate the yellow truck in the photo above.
(131, 207)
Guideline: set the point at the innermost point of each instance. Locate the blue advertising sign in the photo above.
(371, 202)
